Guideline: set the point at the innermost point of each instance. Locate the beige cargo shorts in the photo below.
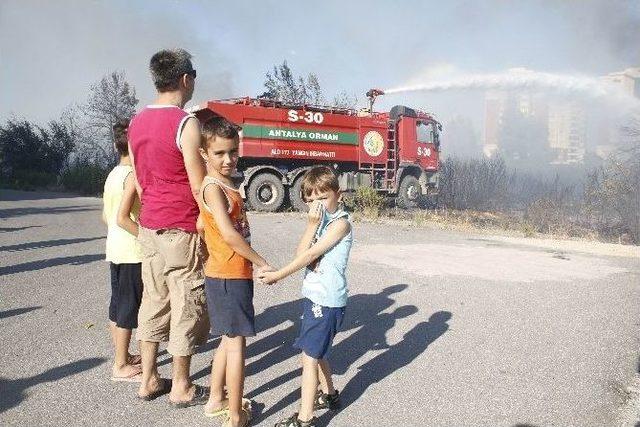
(174, 305)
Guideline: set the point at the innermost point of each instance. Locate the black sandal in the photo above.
(200, 397)
(327, 401)
(293, 421)
(166, 388)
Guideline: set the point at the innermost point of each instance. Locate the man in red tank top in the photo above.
(163, 142)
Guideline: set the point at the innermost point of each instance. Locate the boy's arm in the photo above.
(313, 219)
(126, 204)
(135, 177)
(190, 145)
(217, 202)
(335, 232)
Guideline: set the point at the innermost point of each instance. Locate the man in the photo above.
(164, 141)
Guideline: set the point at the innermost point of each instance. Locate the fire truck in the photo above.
(395, 152)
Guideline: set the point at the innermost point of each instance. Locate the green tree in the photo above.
(282, 85)
(32, 156)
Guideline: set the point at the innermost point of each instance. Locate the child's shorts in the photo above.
(126, 294)
(230, 305)
(319, 326)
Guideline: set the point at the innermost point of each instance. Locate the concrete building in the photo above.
(567, 124)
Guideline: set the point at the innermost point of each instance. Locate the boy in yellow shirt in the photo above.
(120, 211)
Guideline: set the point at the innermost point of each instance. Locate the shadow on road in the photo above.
(14, 391)
(7, 195)
(46, 244)
(10, 229)
(365, 315)
(53, 262)
(17, 311)
(12, 212)
(395, 357)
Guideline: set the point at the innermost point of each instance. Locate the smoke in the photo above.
(53, 51)
(525, 80)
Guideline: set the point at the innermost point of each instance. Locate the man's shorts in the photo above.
(174, 305)
(230, 306)
(126, 294)
(319, 326)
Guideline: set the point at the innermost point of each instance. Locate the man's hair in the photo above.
(167, 68)
(218, 126)
(120, 136)
(319, 179)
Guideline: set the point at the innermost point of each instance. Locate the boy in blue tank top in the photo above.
(324, 251)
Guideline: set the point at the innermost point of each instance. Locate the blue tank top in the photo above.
(326, 283)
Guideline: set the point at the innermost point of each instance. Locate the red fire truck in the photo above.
(395, 152)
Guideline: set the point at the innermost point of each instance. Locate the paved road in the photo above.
(443, 328)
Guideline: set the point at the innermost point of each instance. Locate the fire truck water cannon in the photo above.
(372, 94)
(394, 152)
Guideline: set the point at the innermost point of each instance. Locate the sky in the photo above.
(52, 52)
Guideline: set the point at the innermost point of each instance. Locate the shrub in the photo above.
(366, 201)
(85, 177)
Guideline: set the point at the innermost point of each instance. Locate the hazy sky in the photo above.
(52, 51)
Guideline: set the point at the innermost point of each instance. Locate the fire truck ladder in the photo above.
(392, 156)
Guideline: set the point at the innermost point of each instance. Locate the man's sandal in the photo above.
(200, 397)
(165, 388)
(293, 421)
(327, 401)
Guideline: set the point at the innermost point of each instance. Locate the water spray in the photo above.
(521, 78)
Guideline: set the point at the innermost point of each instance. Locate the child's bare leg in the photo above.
(218, 368)
(150, 376)
(309, 386)
(112, 330)
(121, 366)
(235, 349)
(324, 376)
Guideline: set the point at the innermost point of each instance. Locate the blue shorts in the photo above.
(126, 294)
(230, 306)
(319, 326)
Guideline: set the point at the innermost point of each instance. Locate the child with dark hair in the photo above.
(120, 212)
(228, 271)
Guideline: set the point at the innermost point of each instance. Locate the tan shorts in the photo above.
(174, 305)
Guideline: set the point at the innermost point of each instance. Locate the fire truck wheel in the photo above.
(266, 192)
(409, 193)
(295, 195)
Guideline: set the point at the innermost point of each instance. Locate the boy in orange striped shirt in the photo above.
(228, 271)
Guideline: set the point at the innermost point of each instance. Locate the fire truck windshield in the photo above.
(425, 132)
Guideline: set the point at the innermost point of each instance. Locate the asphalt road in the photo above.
(443, 328)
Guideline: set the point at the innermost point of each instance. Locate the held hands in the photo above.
(266, 275)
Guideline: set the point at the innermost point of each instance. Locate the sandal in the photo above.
(246, 405)
(245, 419)
(164, 389)
(293, 421)
(327, 401)
(200, 397)
(134, 377)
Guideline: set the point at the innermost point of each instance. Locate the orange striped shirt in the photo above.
(223, 261)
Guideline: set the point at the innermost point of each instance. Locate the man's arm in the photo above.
(313, 220)
(190, 144)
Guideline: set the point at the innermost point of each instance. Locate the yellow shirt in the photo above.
(122, 247)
